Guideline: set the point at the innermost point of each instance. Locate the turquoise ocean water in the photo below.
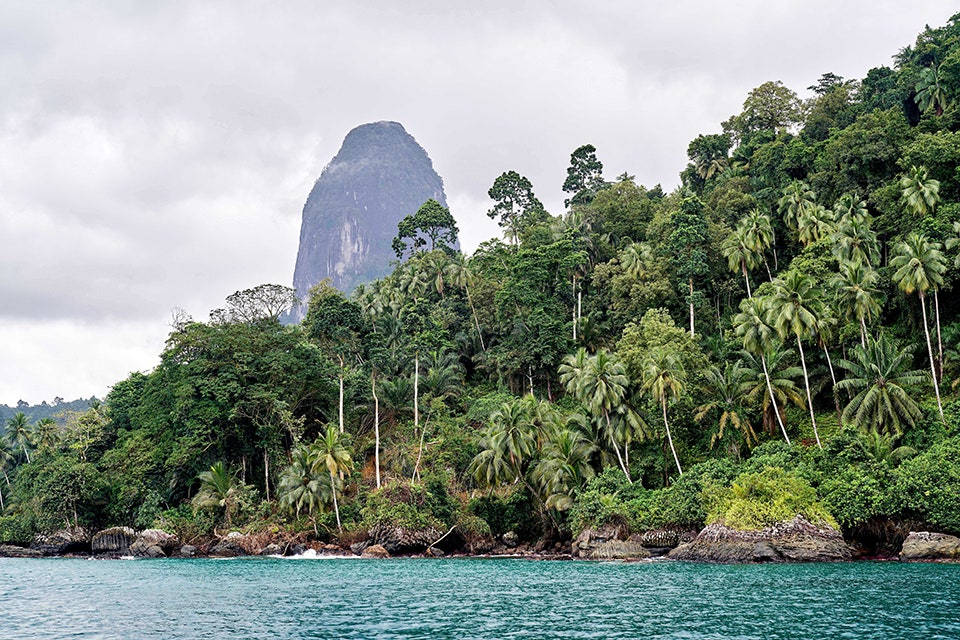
(472, 598)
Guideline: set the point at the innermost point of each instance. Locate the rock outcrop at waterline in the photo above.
(379, 176)
(923, 545)
(796, 540)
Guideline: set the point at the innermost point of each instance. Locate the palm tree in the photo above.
(882, 448)
(218, 489)
(919, 266)
(855, 241)
(461, 275)
(664, 379)
(329, 452)
(506, 447)
(302, 487)
(600, 382)
(849, 208)
(7, 458)
(564, 466)
(726, 389)
(814, 223)
(953, 242)
(782, 389)
(46, 432)
(920, 192)
(752, 327)
(857, 291)
(796, 199)
(794, 309)
(878, 374)
(930, 91)
(740, 257)
(20, 433)
(760, 236)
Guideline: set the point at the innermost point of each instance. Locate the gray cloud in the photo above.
(156, 155)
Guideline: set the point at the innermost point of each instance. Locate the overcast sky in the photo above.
(158, 157)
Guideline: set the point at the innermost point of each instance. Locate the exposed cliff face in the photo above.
(379, 176)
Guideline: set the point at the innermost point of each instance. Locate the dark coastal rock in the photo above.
(923, 545)
(436, 553)
(399, 540)
(358, 547)
(115, 540)
(11, 551)
(379, 176)
(509, 539)
(154, 543)
(609, 542)
(188, 551)
(797, 540)
(272, 550)
(295, 549)
(229, 547)
(375, 551)
(57, 543)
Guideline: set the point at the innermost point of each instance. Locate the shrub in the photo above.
(857, 493)
(515, 512)
(15, 529)
(758, 500)
(928, 486)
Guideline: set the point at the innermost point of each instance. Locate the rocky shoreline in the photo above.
(795, 541)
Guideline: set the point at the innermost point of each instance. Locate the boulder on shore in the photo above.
(11, 551)
(398, 540)
(272, 549)
(188, 551)
(229, 547)
(796, 540)
(924, 545)
(70, 540)
(375, 551)
(115, 540)
(609, 542)
(154, 543)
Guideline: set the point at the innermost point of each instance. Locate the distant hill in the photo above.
(379, 176)
(46, 410)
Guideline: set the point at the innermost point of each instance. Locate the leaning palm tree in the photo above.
(815, 223)
(782, 389)
(664, 379)
(857, 294)
(20, 434)
(602, 386)
(953, 242)
(726, 390)
(920, 192)
(879, 375)
(760, 236)
(850, 208)
(931, 94)
(303, 488)
(330, 453)
(918, 267)
(794, 310)
(218, 489)
(751, 326)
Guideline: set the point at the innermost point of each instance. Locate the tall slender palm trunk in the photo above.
(623, 466)
(266, 472)
(476, 322)
(691, 308)
(340, 405)
(933, 370)
(833, 392)
(743, 267)
(416, 391)
(863, 333)
(806, 383)
(936, 313)
(773, 398)
(376, 426)
(663, 404)
(573, 307)
(336, 507)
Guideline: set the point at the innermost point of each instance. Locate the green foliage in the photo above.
(758, 500)
(928, 486)
(432, 222)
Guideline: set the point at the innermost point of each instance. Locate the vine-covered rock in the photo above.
(402, 540)
(70, 540)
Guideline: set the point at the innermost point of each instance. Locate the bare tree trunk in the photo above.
(376, 427)
(933, 371)
(743, 266)
(806, 383)
(336, 507)
(833, 392)
(243, 469)
(266, 472)
(340, 405)
(475, 320)
(623, 466)
(863, 333)
(936, 310)
(773, 398)
(573, 307)
(530, 378)
(663, 403)
(416, 467)
(691, 308)
(416, 390)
